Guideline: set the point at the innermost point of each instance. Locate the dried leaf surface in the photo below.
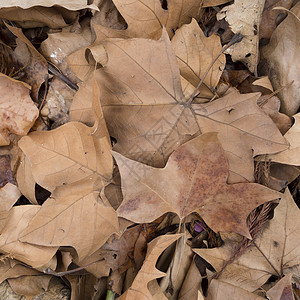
(5, 170)
(149, 123)
(148, 271)
(194, 179)
(66, 155)
(67, 217)
(17, 111)
(274, 251)
(283, 289)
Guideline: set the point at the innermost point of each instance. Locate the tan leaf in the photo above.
(9, 194)
(275, 250)
(290, 156)
(72, 216)
(246, 50)
(148, 271)
(66, 155)
(195, 53)
(193, 180)
(73, 5)
(17, 111)
(149, 123)
(283, 289)
(17, 221)
(282, 59)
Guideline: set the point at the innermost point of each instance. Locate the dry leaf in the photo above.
(195, 53)
(73, 5)
(5, 170)
(72, 216)
(282, 290)
(66, 155)
(9, 194)
(208, 3)
(264, 82)
(282, 58)
(17, 111)
(275, 250)
(149, 123)
(245, 51)
(148, 271)
(290, 156)
(17, 221)
(194, 180)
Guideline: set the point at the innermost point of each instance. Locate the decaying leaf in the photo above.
(66, 155)
(5, 170)
(282, 59)
(67, 217)
(283, 289)
(290, 156)
(149, 123)
(148, 271)
(275, 250)
(17, 111)
(194, 180)
(251, 12)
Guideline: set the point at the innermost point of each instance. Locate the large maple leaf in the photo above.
(194, 180)
(147, 113)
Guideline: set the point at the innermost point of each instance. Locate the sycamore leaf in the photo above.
(194, 180)
(17, 111)
(248, 26)
(274, 251)
(66, 155)
(72, 5)
(148, 271)
(195, 52)
(146, 111)
(17, 221)
(72, 216)
(290, 156)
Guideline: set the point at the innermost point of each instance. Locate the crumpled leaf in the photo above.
(283, 289)
(67, 216)
(17, 111)
(148, 271)
(195, 52)
(282, 58)
(149, 123)
(17, 221)
(194, 180)
(246, 50)
(73, 5)
(66, 155)
(275, 250)
(290, 156)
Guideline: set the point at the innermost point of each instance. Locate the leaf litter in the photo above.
(197, 198)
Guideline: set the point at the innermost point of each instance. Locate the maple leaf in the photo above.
(149, 123)
(275, 250)
(194, 180)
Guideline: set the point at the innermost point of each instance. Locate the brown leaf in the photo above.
(245, 51)
(149, 123)
(66, 155)
(282, 290)
(275, 250)
(17, 111)
(5, 170)
(193, 180)
(72, 216)
(282, 60)
(148, 271)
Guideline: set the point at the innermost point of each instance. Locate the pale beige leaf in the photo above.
(195, 52)
(282, 58)
(17, 111)
(72, 216)
(282, 289)
(264, 82)
(244, 17)
(66, 155)
(208, 3)
(72, 5)
(290, 156)
(194, 180)
(17, 221)
(148, 271)
(275, 250)
(9, 194)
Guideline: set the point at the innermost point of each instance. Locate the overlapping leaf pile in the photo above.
(162, 172)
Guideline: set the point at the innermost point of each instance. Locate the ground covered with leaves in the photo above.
(149, 149)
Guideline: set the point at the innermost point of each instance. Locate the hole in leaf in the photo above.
(248, 54)
(41, 194)
(164, 4)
